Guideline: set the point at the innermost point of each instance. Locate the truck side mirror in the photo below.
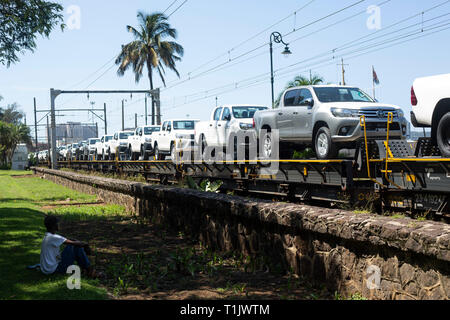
(228, 117)
(309, 102)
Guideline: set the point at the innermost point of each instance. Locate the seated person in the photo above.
(52, 260)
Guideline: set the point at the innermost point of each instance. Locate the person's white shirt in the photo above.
(50, 252)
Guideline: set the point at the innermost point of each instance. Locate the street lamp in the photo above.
(277, 38)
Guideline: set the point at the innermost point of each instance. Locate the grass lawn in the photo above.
(140, 259)
(21, 233)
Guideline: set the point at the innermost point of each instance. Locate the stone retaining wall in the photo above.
(339, 248)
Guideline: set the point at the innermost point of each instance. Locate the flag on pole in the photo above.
(375, 77)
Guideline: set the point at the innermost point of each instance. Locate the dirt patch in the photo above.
(146, 261)
(67, 203)
(25, 176)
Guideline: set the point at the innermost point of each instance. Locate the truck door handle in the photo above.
(210, 125)
(280, 113)
(219, 125)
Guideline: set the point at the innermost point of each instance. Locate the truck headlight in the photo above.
(344, 113)
(400, 113)
(148, 139)
(245, 126)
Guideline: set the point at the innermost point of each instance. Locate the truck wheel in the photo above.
(266, 147)
(158, 155)
(443, 135)
(143, 154)
(324, 147)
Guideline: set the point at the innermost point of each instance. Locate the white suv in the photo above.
(140, 145)
(175, 136)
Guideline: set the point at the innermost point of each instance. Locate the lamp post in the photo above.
(277, 38)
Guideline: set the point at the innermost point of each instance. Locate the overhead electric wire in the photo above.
(251, 38)
(263, 45)
(170, 6)
(344, 46)
(177, 8)
(393, 41)
(334, 50)
(225, 65)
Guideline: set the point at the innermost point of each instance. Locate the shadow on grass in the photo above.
(21, 233)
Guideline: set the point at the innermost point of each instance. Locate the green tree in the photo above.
(300, 81)
(21, 21)
(12, 132)
(11, 114)
(150, 50)
(10, 136)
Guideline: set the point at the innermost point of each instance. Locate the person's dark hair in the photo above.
(50, 222)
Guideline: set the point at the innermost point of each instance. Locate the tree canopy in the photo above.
(21, 22)
(12, 132)
(150, 49)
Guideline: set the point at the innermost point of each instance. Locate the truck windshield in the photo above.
(94, 141)
(125, 135)
(337, 94)
(183, 125)
(108, 138)
(150, 130)
(246, 112)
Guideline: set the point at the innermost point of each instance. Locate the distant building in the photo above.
(73, 132)
(20, 157)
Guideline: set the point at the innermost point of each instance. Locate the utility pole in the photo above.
(135, 120)
(48, 139)
(96, 129)
(343, 70)
(146, 122)
(35, 125)
(53, 94)
(123, 115)
(106, 123)
(216, 102)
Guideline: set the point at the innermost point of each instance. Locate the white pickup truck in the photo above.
(118, 145)
(100, 151)
(327, 118)
(225, 123)
(430, 99)
(140, 145)
(176, 136)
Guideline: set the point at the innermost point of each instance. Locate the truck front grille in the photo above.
(377, 113)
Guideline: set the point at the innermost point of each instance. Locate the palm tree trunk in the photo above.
(150, 77)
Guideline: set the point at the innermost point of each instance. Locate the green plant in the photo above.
(308, 153)
(205, 185)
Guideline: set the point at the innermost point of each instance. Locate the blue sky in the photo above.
(225, 30)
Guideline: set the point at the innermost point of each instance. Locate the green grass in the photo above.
(21, 233)
(89, 212)
(14, 173)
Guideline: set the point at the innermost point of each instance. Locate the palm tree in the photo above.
(150, 50)
(300, 81)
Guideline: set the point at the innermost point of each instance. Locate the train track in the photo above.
(376, 178)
